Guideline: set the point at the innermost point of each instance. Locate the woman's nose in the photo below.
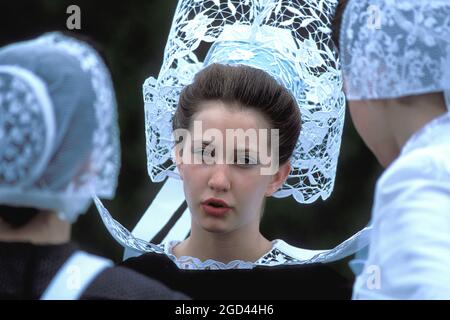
(219, 180)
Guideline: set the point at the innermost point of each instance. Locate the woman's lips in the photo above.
(215, 211)
(217, 202)
(215, 207)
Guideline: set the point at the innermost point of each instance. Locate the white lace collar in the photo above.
(275, 256)
(280, 254)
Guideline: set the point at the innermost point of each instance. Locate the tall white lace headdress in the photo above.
(59, 139)
(296, 36)
(395, 48)
(291, 41)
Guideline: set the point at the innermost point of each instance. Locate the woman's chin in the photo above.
(215, 227)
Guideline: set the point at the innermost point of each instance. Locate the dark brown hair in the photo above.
(248, 88)
(17, 217)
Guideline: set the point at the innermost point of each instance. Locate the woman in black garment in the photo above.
(225, 255)
(58, 141)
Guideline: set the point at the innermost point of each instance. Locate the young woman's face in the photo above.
(241, 187)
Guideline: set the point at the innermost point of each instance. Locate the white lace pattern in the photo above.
(394, 48)
(314, 64)
(26, 126)
(44, 111)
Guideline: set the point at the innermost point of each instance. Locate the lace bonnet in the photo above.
(58, 126)
(290, 40)
(404, 45)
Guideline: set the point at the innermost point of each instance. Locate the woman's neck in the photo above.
(407, 115)
(45, 228)
(242, 244)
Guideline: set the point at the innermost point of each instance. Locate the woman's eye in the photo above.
(204, 153)
(246, 161)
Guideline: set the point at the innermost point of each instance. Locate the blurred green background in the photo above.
(133, 35)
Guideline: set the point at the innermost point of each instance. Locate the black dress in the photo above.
(308, 281)
(26, 270)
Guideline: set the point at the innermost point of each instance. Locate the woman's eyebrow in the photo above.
(208, 142)
(246, 150)
(204, 142)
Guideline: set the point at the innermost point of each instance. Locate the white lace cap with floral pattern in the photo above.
(59, 139)
(395, 48)
(307, 47)
(27, 126)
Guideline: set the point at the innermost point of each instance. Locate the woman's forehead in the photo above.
(221, 115)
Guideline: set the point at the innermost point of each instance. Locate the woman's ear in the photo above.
(278, 178)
